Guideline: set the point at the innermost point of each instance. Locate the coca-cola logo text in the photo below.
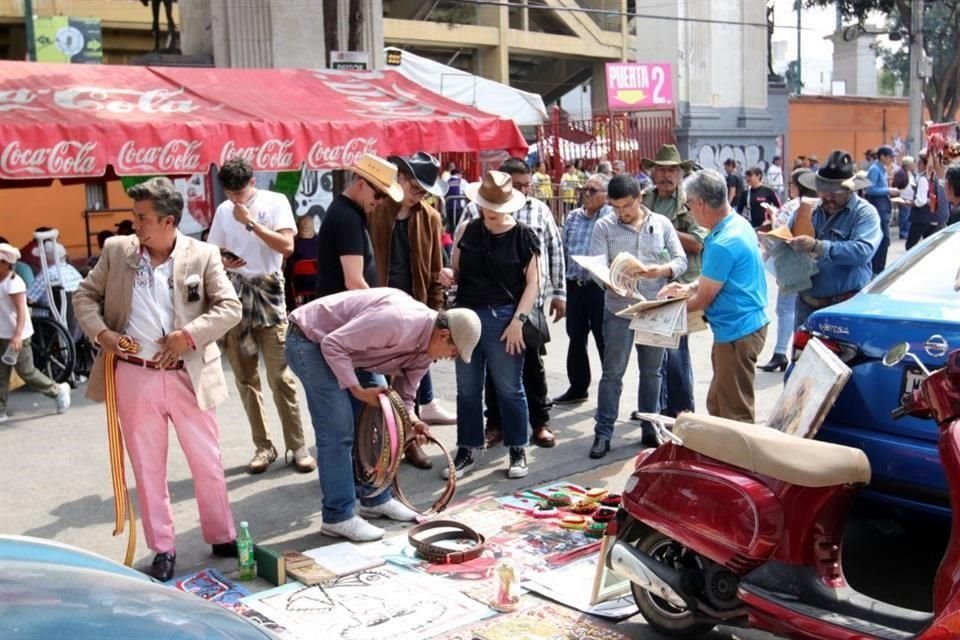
(124, 100)
(342, 155)
(272, 155)
(65, 158)
(176, 156)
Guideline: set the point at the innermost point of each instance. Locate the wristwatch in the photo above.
(522, 317)
(250, 225)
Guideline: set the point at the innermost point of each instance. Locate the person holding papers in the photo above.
(653, 241)
(732, 288)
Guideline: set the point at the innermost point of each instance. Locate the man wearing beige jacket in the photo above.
(159, 300)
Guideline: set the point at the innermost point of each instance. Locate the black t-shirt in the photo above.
(734, 181)
(399, 275)
(343, 233)
(487, 260)
(757, 197)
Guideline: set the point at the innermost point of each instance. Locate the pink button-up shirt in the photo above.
(381, 330)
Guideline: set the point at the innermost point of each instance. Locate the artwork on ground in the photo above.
(378, 604)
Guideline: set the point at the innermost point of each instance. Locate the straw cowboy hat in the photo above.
(667, 156)
(379, 173)
(425, 169)
(836, 174)
(495, 193)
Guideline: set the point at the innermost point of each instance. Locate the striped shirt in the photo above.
(654, 242)
(577, 233)
(537, 215)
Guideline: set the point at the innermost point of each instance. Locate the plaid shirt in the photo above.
(655, 242)
(577, 231)
(537, 215)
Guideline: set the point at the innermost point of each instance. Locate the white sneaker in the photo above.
(391, 509)
(433, 413)
(4, 417)
(356, 529)
(63, 397)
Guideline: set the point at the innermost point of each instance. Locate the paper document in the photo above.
(661, 323)
(598, 267)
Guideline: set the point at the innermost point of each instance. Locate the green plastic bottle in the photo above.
(247, 568)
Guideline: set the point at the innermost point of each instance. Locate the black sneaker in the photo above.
(462, 463)
(518, 463)
(571, 397)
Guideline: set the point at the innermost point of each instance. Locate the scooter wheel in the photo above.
(663, 617)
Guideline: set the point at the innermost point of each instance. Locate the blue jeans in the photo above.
(879, 261)
(903, 221)
(786, 308)
(676, 386)
(618, 338)
(425, 392)
(507, 373)
(332, 412)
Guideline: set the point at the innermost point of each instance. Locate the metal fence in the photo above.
(629, 137)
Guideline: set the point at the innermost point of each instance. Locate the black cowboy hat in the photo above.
(425, 169)
(836, 174)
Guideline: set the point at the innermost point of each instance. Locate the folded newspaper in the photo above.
(658, 323)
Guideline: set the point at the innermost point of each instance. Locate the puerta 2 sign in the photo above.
(633, 86)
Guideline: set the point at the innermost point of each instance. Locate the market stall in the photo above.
(89, 121)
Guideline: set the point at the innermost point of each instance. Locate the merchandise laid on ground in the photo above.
(479, 570)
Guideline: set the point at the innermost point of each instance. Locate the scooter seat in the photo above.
(763, 450)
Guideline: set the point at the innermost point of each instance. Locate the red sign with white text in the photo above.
(633, 86)
(65, 121)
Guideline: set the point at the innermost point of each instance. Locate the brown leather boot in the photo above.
(416, 456)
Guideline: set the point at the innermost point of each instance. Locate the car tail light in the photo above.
(844, 350)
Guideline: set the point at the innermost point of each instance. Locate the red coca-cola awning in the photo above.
(73, 121)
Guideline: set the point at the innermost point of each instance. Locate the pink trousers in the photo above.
(146, 400)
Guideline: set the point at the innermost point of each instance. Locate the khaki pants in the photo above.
(731, 393)
(30, 375)
(246, 372)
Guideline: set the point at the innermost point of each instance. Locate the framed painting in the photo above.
(813, 387)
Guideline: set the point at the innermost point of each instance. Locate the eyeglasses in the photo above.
(624, 207)
(591, 191)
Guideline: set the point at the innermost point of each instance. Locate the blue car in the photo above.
(914, 300)
(52, 590)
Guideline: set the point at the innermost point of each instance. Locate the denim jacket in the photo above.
(877, 192)
(850, 238)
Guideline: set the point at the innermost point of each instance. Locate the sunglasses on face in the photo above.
(377, 194)
(591, 191)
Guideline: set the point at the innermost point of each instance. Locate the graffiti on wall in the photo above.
(712, 156)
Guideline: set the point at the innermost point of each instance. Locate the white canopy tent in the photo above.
(493, 97)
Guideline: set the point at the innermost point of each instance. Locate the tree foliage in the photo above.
(941, 42)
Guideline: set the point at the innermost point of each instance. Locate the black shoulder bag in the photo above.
(536, 330)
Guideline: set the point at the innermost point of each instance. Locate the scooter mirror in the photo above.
(895, 354)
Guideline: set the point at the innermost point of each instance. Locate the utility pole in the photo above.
(917, 77)
(799, 6)
(28, 25)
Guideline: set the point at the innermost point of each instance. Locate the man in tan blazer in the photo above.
(159, 300)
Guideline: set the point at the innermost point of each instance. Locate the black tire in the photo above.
(53, 350)
(662, 616)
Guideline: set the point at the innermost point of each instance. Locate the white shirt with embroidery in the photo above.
(151, 311)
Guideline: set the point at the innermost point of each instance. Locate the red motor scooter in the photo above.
(730, 523)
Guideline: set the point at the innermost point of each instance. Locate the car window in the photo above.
(927, 272)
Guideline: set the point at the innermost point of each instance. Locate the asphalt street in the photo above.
(56, 481)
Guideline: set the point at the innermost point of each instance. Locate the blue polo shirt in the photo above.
(731, 255)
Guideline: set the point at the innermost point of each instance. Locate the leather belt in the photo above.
(150, 364)
(381, 437)
(426, 548)
(820, 303)
(294, 328)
